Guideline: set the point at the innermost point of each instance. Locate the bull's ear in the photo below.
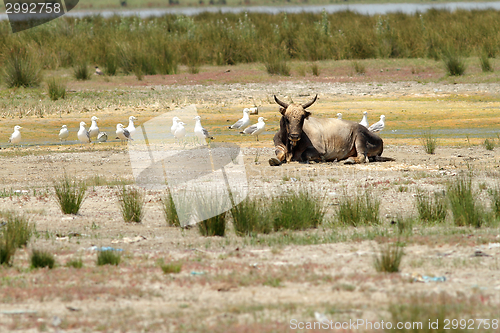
(308, 114)
(282, 111)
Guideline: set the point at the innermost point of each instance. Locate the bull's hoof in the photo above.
(274, 162)
(350, 161)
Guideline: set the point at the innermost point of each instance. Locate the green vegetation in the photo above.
(213, 226)
(108, 257)
(41, 259)
(298, 210)
(489, 144)
(495, 200)
(170, 211)
(70, 194)
(131, 202)
(15, 232)
(81, 71)
(75, 263)
(156, 45)
(171, 267)
(389, 259)
(57, 89)
(429, 142)
(485, 63)
(20, 67)
(251, 217)
(467, 211)
(358, 210)
(431, 207)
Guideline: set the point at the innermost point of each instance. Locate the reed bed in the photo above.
(157, 45)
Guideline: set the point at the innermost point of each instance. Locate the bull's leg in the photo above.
(281, 152)
(311, 154)
(361, 150)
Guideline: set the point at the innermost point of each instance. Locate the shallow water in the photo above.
(369, 9)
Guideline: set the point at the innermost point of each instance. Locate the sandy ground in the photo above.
(253, 284)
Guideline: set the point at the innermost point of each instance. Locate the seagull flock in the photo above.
(177, 129)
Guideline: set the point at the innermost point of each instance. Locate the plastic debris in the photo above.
(103, 248)
(321, 317)
(128, 240)
(479, 253)
(426, 279)
(197, 273)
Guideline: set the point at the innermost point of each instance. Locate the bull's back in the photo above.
(333, 138)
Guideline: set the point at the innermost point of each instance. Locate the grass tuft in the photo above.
(297, 211)
(170, 211)
(431, 207)
(171, 267)
(20, 68)
(485, 63)
(213, 226)
(108, 257)
(251, 217)
(454, 63)
(276, 62)
(57, 89)
(359, 68)
(131, 204)
(495, 201)
(41, 259)
(466, 210)
(7, 250)
(358, 210)
(17, 229)
(81, 72)
(315, 69)
(389, 259)
(489, 145)
(70, 194)
(429, 142)
(75, 263)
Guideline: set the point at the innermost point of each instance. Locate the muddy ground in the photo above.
(250, 284)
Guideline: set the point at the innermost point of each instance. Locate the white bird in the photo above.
(175, 120)
(200, 132)
(243, 122)
(378, 126)
(364, 121)
(15, 138)
(93, 129)
(63, 133)
(131, 128)
(102, 137)
(83, 135)
(256, 129)
(339, 115)
(122, 133)
(254, 110)
(180, 131)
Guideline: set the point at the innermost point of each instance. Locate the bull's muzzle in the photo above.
(294, 138)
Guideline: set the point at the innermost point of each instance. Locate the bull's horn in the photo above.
(283, 104)
(308, 104)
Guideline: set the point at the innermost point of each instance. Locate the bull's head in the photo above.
(293, 117)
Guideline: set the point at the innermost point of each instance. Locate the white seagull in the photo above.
(131, 128)
(339, 115)
(102, 137)
(378, 126)
(93, 129)
(256, 129)
(83, 135)
(243, 122)
(175, 120)
(364, 121)
(122, 133)
(15, 138)
(180, 131)
(63, 133)
(200, 132)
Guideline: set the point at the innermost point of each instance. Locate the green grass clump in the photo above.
(57, 89)
(251, 217)
(297, 211)
(41, 259)
(171, 267)
(275, 62)
(213, 226)
(485, 63)
(81, 71)
(70, 194)
(17, 229)
(108, 257)
(20, 68)
(111, 64)
(389, 259)
(429, 142)
(495, 201)
(170, 211)
(315, 69)
(358, 210)
(466, 210)
(431, 207)
(131, 204)
(454, 63)
(7, 250)
(489, 145)
(359, 68)
(75, 263)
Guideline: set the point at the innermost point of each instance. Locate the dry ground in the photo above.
(261, 283)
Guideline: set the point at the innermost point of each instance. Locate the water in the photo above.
(369, 9)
